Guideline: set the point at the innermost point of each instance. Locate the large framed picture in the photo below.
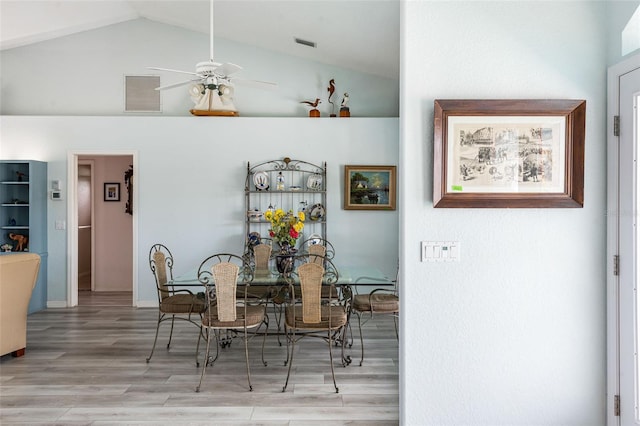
(509, 153)
(112, 191)
(369, 187)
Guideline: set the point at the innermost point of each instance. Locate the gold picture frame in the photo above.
(369, 187)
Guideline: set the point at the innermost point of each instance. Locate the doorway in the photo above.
(623, 318)
(101, 230)
(85, 228)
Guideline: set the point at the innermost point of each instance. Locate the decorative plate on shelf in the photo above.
(317, 212)
(254, 215)
(261, 181)
(314, 182)
(314, 239)
(253, 239)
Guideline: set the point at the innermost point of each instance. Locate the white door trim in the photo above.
(613, 308)
(72, 222)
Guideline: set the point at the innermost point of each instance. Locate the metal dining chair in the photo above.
(223, 275)
(379, 301)
(319, 249)
(259, 258)
(308, 314)
(173, 304)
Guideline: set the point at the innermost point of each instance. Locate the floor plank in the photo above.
(86, 366)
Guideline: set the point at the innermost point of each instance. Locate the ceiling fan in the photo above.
(212, 82)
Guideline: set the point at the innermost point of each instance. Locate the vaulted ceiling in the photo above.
(361, 35)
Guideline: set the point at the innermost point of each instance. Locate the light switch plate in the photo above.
(440, 251)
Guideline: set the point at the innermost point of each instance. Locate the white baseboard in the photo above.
(57, 304)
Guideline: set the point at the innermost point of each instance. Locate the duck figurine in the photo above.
(314, 112)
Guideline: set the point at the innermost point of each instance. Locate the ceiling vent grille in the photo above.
(140, 94)
(305, 42)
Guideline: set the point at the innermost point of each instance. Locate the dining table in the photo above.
(344, 277)
(361, 275)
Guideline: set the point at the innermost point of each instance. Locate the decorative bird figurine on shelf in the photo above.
(345, 100)
(314, 111)
(331, 89)
(313, 104)
(344, 109)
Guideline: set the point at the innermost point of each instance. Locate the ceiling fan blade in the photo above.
(168, 69)
(254, 83)
(182, 83)
(214, 73)
(228, 68)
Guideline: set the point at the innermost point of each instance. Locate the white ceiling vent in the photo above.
(305, 42)
(140, 94)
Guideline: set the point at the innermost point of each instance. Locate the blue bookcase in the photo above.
(23, 211)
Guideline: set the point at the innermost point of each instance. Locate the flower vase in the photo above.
(284, 260)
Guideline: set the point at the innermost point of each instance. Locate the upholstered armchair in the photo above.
(18, 275)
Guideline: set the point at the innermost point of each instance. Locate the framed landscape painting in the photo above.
(369, 187)
(509, 153)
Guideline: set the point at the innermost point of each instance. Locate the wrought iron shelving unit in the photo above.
(287, 184)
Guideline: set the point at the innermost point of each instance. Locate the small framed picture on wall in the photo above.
(369, 187)
(112, 191)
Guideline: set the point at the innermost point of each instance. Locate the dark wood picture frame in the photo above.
(112, 191)
(509, 153)
(369, 187)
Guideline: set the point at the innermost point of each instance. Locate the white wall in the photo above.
(83, 74)
(513, 334)
(191, 174)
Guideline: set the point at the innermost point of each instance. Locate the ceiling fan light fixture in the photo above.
(305, 42)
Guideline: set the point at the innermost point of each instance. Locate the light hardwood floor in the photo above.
(105, 298)
(86, 366)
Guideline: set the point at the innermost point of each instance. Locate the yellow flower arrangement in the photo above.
(285, 226)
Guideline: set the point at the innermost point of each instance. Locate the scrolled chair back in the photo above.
(221, 274)
(262, 254)
(225, 277)
(330, 275)
(311, 275)
(310, 246)
(161, 264)
(317, 253)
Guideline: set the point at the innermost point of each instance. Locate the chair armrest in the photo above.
(172, 290)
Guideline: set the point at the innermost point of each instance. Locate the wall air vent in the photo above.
(140, 94)
(305, 42)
